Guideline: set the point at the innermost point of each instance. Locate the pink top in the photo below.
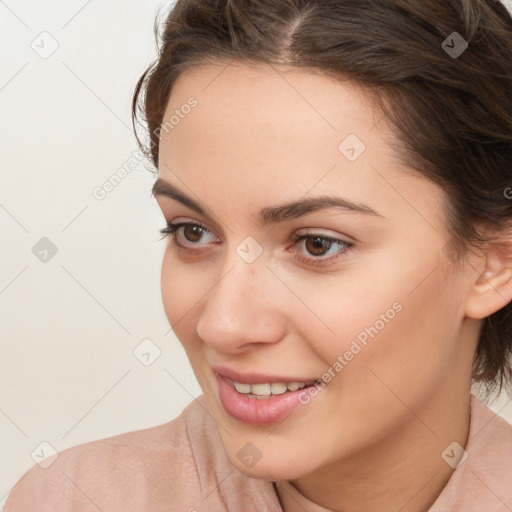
(182, 466)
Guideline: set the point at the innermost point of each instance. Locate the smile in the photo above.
(260, 403)
(266, 390)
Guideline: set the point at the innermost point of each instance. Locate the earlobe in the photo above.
(490, 292)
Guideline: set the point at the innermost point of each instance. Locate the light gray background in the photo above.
(70, 324)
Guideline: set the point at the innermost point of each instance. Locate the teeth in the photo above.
(261, 389)
(242, 388)
(267, 389)
(278, 388)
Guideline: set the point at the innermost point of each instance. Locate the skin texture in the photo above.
(259, 136)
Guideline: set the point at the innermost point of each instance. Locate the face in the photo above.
(356, 293)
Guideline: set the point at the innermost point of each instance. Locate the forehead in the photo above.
(278, 100)
(275, 133)
(266, 117)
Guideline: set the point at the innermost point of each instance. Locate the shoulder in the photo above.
(489, 433)
(490, 446)
(153, 467)
(483, 479)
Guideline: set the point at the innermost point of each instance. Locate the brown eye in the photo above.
(188, 236)
(192, 232)
(317, 246)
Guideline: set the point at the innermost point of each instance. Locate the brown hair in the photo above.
(452, 114)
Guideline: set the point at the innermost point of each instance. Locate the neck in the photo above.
(403, 472)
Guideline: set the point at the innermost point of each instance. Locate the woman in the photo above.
(336, 181)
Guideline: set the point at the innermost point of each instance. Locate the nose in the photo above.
(244, 308)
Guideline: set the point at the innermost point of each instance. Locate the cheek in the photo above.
(398, 365)
(342, 311)
(393, 339)
(180, 292)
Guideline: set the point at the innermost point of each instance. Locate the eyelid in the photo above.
(173, 227)
(301, 231)
(321, 232)
(322, 261)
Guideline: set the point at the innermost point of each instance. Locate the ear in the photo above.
(491, 290)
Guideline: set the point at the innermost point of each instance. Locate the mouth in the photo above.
(262, 403)
(269, 389)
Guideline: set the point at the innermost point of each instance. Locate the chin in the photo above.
(283, 468)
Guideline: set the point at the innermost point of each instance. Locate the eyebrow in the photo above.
(271, 214)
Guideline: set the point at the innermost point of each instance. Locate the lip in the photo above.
(257, 378)
(255, 411)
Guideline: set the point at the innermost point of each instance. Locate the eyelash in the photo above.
(171, 229)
